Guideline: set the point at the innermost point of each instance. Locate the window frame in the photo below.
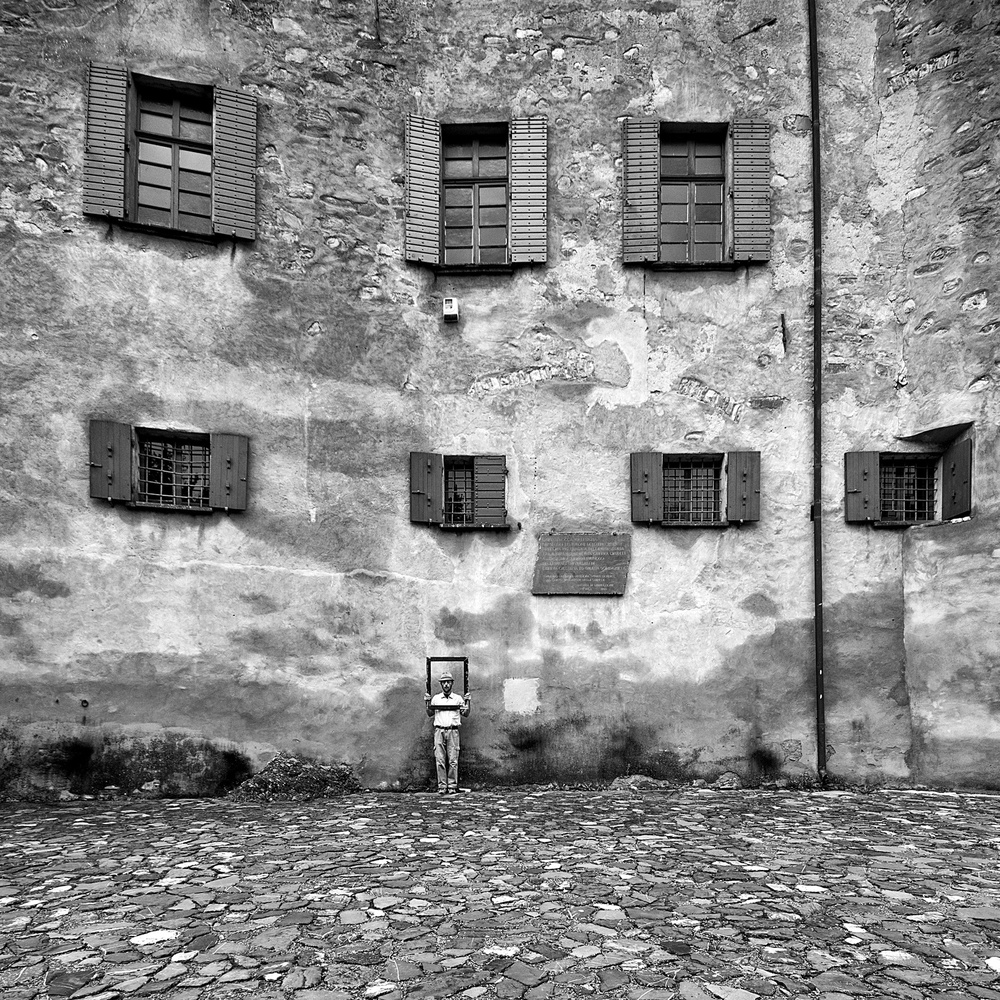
(487, 486)
(116, 466)
(736, 489)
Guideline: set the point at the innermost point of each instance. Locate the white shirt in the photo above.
(450, 718)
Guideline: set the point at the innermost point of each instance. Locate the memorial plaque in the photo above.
(582, 563)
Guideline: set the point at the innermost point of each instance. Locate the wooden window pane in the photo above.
(674, 194)
(458, 237)
(458, 255)
(494, 195)
(150, 152)
(673, 147)
(197, 114)
(457, 169)
(152, 216)
(197, 183)
(195, 223)
(458, 217)
(149, 174)
(674, 213)
(673, 166)
(191, 160)
(493, 255)
(707, 234)
(708, 165)
(194, 204)
(711, 147)
(492, 149)
(147, 103)
(493, 237)
(154, 197)
(196, 131)
(708, 213)
(457, 150)
(493, 168)
(160, 124)
(455, 196)
(707, 253)
(674, 252)
(674, 234)
(493, 216)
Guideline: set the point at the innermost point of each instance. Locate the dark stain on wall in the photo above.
(760, 604)
(509, 623)
(9, 624)
(21, 579)
(279, 643)
(260, 604)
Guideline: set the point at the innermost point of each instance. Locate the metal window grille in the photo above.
(691, 489)
(459, 502)
(173, 473)
(475, 170)
(907, 488)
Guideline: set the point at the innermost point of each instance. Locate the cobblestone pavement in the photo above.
(692, 894)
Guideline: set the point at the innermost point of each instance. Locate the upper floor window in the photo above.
(476, 194)
(168, 469)
(694, 194)
(458, 491)
(896, 489)
(176, 157)
(695, 490)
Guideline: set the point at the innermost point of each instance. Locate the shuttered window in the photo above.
(695, 195)
(168, 470)
(898, 489)
(458, 491)
(170, 156)
(690, 490)
(476, 195)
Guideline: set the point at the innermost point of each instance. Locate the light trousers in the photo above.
(446, 748)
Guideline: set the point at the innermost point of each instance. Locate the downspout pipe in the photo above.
(816, 511)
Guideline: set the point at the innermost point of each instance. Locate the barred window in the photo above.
(459, 490)
(907, 488)
(692, 489)
(173, 471)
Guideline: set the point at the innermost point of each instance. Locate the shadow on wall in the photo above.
(92, 763)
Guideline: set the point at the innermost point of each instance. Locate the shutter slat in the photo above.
(641, 188)
(956, 480)
(227, 475)
(528, 190)
(751, 190)
(489, 485)
(426, 488)
(234, 173)
(104, 155)
(110, 460)
(743, 486)
(422, 225)
(861, 502)
(647, 486)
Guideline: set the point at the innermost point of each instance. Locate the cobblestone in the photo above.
(625, 894)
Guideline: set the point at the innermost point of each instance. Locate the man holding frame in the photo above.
(447, 709)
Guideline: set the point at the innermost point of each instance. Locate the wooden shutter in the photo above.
(956, 480)
(234, 166)
(489, 484)
(529, 167)
(743, 486)
(641, 190)
(751, 186)
(110, 460)
(647, 486)
(426, 488)
(107, 136)
(861, 484)
(422, 225)
(227, 472)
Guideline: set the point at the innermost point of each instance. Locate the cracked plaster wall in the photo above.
(303, 623)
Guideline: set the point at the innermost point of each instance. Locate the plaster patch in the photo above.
(520, 695)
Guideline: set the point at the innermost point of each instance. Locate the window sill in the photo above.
(475, 527)
(170, 507)
(694, 524)
(475, 268)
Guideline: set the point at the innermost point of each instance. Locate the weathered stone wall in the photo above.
(303, 624)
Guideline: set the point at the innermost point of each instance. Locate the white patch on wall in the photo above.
(520, 695)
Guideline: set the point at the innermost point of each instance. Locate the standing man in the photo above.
(447, 709)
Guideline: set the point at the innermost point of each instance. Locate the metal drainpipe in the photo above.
(817, 502)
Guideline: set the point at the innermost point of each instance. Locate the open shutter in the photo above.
(227, 472)
(422, 225)
(956, 480)
(861, 485)
(489, 484)
(743, 486)
(110, 460)
(234, 167)
(641, 189)
(751, 190)
(529, 161)
(426, 488)
(104, 149)
(647, 486)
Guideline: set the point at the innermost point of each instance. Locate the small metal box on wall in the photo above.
(464, 660)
